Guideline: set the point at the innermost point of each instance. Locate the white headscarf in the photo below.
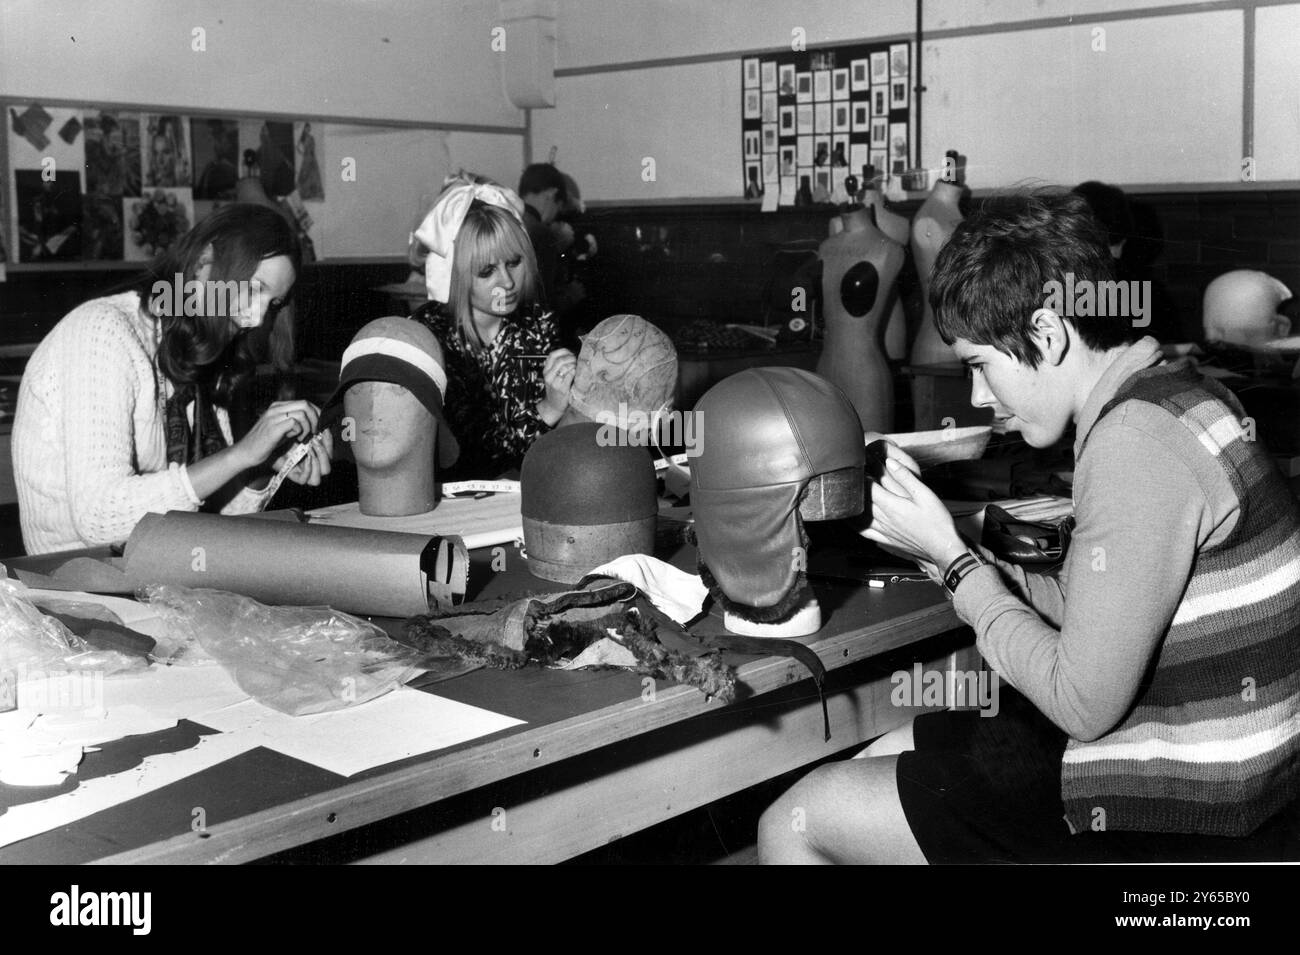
(440, 227)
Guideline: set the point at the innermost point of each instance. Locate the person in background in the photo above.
(1133, 251)
(1155, 715)
(122, 410)
(547, 203)
(507, 381)
(575, 312)
(543, 191)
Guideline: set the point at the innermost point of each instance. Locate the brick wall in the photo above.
(1207, 234)
(331, 302)
(675, 263)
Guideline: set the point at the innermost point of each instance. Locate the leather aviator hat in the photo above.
(782, 444)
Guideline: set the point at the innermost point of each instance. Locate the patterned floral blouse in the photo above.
(492, 396)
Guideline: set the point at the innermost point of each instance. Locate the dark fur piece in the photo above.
(548, 645)
(707, 673)
(779, 612)
(561, 640)
(436, 641)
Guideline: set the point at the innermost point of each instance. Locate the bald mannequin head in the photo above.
(1241, 308)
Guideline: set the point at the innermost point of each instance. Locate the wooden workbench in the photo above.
(599, 757)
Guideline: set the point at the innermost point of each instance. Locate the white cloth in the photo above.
(89, 438)
(440, 227)
(675, 592)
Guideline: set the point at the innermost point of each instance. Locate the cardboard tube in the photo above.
(372, 573)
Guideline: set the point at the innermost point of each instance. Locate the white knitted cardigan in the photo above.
(89, 442)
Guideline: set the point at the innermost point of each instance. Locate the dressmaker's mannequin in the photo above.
(899, 230)
(891, 223)
(859, 267)
(931, 228)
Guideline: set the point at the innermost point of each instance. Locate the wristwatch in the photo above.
(959, 568)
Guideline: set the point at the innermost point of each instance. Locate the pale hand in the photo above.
(312, 469)
(558, 372)
(909, 520)
(282, 421)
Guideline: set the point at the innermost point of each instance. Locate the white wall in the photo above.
(1162, 104)
(605, 124)
(1277, 93)
(1045, 105)
(953, 14)
(423, 61)
(413, 60)
(596, 32)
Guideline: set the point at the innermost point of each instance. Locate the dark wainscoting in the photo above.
(675, 263)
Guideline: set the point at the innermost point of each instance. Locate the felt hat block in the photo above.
(584, 503)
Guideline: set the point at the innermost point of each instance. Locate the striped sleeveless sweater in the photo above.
(1212, 744)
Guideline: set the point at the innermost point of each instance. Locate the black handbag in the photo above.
(1025, 542)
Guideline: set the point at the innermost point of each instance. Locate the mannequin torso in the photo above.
(931, 228)
(859, 267)
(899, 230)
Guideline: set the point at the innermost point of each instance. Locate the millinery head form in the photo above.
(627, 370)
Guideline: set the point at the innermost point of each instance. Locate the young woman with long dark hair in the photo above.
(123, 407)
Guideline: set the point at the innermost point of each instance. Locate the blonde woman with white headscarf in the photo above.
(507, 382)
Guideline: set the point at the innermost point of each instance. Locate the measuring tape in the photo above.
(292, 461)
(480, 487)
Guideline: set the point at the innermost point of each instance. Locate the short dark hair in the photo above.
(992, 275)
(1110, 206)
(541, 176)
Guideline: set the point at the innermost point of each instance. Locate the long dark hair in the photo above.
(208, 352)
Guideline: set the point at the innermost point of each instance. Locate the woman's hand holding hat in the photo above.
(907, 518)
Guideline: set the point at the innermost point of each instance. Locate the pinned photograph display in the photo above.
(109, 185)
(167, 151)
(47, 158)
(311, 186)
(216, 158)
(861, 95)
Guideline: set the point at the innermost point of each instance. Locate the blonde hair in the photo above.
(489, 234)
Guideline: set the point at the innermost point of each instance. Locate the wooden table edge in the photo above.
(360, 803)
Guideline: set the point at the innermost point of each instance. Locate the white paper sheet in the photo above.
(33, 763)
(403, 723)
(103, 792)
(481, 523)
(42, 746)
(145, 702)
